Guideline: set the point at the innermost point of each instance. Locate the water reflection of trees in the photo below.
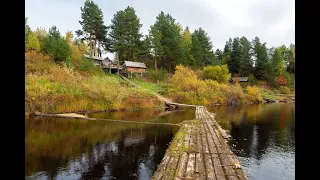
(125, 164)
(52, 144)
(256, 128)
(148, 115)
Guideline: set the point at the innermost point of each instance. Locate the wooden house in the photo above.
(99, 61)
(104, 63)
(130, 67)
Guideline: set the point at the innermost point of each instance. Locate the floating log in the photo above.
(78, 116)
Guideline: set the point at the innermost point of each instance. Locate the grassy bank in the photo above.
(53, 87)
(187, 87)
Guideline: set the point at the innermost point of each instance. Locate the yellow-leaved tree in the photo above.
(186, 79)
(33, 42)
(219, 73)
(41, 34)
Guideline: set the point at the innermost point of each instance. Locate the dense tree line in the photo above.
(245, 58)
(166, 45)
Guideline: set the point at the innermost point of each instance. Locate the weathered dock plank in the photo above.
(182, 166)
(190, 172)
(200, 151)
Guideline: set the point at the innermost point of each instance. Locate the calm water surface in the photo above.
(79, 149)
(263, 139)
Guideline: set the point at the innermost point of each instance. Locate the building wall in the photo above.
(137, 70)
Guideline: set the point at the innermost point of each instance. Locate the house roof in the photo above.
(134, 64)
(241, 78)
(95, 57)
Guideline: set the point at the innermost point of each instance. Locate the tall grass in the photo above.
(55, 88)
(157, 75)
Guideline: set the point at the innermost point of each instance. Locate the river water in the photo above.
(263, 139)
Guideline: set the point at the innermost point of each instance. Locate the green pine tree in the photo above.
(27, 31)
(155, 38)
(125, 34)
(262, 65)
(208, 56)
(246, 63)
(235, 56)
(196, 52)
(219, 55)
(93, 28)
(171, 41)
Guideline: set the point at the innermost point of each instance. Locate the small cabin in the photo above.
(99, 61)
(239, 79)
(134, 67)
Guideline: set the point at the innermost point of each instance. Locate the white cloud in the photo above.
(272, 21)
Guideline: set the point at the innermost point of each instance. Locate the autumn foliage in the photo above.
(219, 73)
(187, 88)
(281, 80)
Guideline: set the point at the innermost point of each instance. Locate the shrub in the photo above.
(38, 62)
(219, 73)
(199, 74)
(87, 65)
(187, 88)
(76, 54)
(57, 46)
(284, 90)
(186, 79)
(281, 80)
(276, 91)
(68, 62)
(234, 94)
(289, 77)
(251, 79)
(254, 93)
(156, 75)
(33, 42)
(163, 89)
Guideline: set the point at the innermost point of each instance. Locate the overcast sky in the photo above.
(273, 21)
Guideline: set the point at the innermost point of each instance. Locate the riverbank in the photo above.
(186, 87)
(53, 87)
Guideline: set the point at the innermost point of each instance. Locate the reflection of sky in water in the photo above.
(264, 141)
(78, 165)
(131, 151)
(268, 166)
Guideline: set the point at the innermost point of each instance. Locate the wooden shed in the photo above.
(99, 61)
(133, 67)
(239, 79)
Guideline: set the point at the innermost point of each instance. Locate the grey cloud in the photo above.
(194, 14)
(269, 12)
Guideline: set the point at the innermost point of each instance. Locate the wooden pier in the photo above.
(199, 150)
